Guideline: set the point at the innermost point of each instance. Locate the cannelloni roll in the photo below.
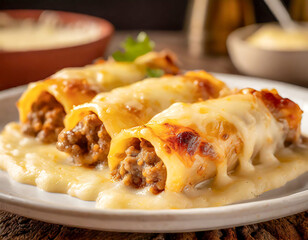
(187, 144)
(45, 103)
(90, 127)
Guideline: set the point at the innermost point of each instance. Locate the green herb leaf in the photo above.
(155, 72)
(134, 48)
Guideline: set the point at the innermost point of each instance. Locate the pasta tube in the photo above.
(44, 104)
(190, 143)
(90, 127)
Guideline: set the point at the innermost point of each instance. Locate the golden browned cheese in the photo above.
(67, 92)
(73, 86)
(283, 109)
(200, 141)
(136, 104)
(187, 142)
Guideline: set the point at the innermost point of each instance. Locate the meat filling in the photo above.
(88, 143)
(141, 167)
(45, 121)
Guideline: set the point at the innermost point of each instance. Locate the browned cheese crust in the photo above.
(140, 166)
(283, 109)
(88, 142)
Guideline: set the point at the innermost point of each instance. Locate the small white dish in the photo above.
(58, 208)
(288, 66)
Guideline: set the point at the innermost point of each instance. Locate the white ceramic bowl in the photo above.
(287, 66)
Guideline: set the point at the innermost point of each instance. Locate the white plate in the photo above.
(57, 208)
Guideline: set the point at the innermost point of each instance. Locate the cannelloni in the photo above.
(90, 127)
(44, 104)
(189, 143)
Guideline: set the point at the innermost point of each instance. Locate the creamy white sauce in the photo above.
(48, 32)
(28, 161)
(273, 37)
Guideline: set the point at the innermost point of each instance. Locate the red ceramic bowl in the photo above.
(20, 67)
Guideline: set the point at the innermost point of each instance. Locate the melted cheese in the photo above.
(100, 77)
(256, 127)
(111, 74)
(28, 161)
(105, 76)
(137, 103)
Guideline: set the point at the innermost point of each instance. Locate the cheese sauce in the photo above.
(28, 161)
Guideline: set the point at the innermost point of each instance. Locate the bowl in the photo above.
(21, 67)
(287, 66)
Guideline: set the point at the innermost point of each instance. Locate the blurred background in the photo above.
(196, 30)
(132, 14)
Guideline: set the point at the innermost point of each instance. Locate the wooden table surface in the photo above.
(290, 228)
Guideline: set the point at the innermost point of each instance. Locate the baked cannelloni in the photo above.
(44, 104)
(187, 144)
(90, 127)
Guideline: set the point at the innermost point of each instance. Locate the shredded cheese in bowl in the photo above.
(47, 32)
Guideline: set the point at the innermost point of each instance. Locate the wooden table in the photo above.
(291, 228)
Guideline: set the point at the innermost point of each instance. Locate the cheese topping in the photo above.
(105, 76)
(77, 85)
(257, 130)
(137, 103)
(28, 161)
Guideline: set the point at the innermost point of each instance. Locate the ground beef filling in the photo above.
(141, 167)
(45, 121)
(88, 143)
